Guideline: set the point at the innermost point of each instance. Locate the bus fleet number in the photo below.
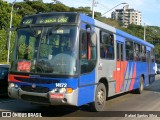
(61, 85)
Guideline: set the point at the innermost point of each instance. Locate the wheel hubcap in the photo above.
(100, 97)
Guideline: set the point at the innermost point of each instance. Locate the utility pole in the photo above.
(9, 39)
(93, 3)
(144, 32)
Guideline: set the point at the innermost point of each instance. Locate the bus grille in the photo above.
(35, 99)
(37, 89)
(36, 80)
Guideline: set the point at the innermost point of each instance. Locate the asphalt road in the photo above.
(128, 105)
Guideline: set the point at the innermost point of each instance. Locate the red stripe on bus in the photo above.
(119, 74)
(11, 78)
(133, 78)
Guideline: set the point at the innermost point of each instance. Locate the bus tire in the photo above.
(141, 86)
(100, 98)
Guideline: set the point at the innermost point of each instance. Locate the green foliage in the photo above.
(58, 8)
(4, 15)
(3, 51)
(40, 7)
(109, 21)
(152, 34)
(24, 8)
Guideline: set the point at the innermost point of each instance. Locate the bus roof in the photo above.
(134, 38)
(113, 30)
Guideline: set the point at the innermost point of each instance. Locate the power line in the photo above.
(76, 1)
(82, 2)
(104, 6)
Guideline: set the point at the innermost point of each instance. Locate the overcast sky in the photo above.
(150, 9)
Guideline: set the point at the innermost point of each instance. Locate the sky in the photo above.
(149, 8)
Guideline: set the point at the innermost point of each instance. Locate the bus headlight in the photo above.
(13, 85)
(62, 90)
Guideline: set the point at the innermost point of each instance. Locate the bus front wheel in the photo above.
(100, 98)
(141, 86)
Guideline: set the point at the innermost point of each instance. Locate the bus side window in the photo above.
(129, 50)
(143, 54)
(88, 54)
(107, 45)
(137, 52)
(83, 46)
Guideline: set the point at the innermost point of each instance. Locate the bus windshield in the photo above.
(49, 50)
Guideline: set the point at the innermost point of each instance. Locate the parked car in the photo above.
(158, 68)
(4, 78)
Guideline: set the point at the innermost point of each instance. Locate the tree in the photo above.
(56, 2)
(3, 51)
(25, 8)
(39, 7)
(57, 7)
(4, 15)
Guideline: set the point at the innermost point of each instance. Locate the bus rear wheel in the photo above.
(141, 86)
(100, 98)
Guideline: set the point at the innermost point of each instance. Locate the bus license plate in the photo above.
(57, 96)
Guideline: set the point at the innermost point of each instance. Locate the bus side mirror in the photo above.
(88, 28)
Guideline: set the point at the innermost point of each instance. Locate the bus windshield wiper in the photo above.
(32, 29)
(56, 27)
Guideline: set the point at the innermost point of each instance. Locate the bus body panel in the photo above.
(136, 68)
(33, 87)
(86, 88)
(86, 81)
(105, 67)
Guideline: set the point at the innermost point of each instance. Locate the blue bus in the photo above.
(68, 58)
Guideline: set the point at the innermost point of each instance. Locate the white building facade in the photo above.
(127, 16)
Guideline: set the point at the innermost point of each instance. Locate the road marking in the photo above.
(156, 92)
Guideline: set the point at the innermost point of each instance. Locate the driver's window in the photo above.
(88, 53)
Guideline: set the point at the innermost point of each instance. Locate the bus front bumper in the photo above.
(44, 98)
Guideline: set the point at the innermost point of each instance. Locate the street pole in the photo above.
(144, 32)
(10, 33)
(93, 2)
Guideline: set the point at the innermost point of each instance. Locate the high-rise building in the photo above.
(127, 16)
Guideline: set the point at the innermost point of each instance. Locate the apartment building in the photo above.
(127, 16)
